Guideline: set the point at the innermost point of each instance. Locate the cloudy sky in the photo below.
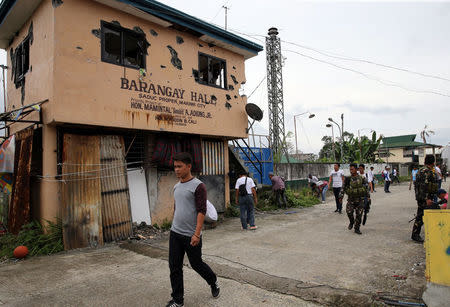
(409, 35)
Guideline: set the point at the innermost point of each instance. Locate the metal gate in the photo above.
(116, 214)
(81, 192)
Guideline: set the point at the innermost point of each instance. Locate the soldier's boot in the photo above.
(358, 231)
(352, 221)
(415, 236)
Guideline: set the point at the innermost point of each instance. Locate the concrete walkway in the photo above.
(297, 259)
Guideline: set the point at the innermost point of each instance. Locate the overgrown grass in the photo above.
(304, 198)
(35, 238)
(165, 225)
(231, 211)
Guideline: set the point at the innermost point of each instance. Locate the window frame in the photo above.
(225, 81)
(122, 31)
(18, 78)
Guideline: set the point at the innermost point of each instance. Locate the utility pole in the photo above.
(226, 15)
(3, 67)
(275, 93)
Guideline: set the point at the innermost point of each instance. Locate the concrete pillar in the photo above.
(49, 200)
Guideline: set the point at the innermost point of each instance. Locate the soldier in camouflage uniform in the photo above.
(355, 186)
(426, 189)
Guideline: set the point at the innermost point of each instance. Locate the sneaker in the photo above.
(358, 231)
(215, 290)
(337, 210)
(323, 201)
(350, 226)
(172, 303)
(253, 227)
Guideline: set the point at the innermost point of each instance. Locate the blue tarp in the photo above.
(265, 157)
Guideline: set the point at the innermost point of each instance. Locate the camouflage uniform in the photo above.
(426, 188)
(356, 187)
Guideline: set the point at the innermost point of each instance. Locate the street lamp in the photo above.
(341, 128)
(311, 115)
(332, 133)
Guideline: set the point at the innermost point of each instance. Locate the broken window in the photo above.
(123, 46)
(22, 61)
(212, 71)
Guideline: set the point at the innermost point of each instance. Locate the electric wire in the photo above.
(345, 58)
(384, 82)
(259, 84)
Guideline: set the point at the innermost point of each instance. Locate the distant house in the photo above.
(404, 149)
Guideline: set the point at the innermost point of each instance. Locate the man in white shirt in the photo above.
(387, 179)
(247, 200)
(438, 175)
(336, 180)
(370, 178)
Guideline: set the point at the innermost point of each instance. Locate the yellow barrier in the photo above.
(437, 246)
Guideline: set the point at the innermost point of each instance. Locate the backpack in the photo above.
(243, 188)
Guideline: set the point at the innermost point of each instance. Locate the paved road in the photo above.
(296, 259)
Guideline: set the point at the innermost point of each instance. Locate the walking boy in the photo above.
(387, 179)
(336, 180)
(186, 231)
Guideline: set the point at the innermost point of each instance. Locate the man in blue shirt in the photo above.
(413, 177)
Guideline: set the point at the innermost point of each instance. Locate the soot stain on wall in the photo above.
(57, 3)
(180, 40)
(153, 32)
(96, 32)
(234, 79)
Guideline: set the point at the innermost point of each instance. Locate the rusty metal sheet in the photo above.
(213, 157)
(116, 211)
(19, 209)
(81, 192)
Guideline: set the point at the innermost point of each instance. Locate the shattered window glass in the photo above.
(123, 46)
(203, 68)
(112, 46)
(132, 51)
(212, 71)
(22, 61)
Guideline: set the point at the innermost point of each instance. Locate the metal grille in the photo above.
(213, 158)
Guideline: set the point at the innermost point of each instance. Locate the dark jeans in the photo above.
(280, 194)
(386, 185)
(178, 245)
(439, 182)
(336, 192)
(247, 211)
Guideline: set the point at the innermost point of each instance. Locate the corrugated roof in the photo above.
(12, 17)
(402, 141)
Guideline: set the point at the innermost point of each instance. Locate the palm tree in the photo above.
(426, 133)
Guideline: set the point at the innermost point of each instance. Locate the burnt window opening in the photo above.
(122, 46)
(22, 61)
(212, 71)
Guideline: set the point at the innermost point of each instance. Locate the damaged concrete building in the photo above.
(101, 94)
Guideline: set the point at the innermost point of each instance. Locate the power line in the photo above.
(340, 57)
(259, 84)
(385, 82)
(219, 10)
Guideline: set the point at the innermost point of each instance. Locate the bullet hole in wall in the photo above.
(195, 74)
(115, 22)
(153, 32)
(180, 40)
(234, 79)
(79, 48)
(138, 29)
(213, 98)
(228, 105)
(200, 45)
(96, 32)
(211, 45)
(234, 67)
(230, 87)
(163, 66)
(176, 62)
(235, 96)
(228, 97)
(57, 3)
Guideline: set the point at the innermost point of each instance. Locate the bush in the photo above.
(232, 211)
(33, 236)
(304, 198)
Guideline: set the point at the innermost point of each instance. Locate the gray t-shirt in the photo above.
(190, 199)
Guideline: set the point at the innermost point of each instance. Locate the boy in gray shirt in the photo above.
(185, 234)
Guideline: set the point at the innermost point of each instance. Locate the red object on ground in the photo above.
(20, 252)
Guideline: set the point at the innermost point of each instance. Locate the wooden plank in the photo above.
(81, 192)
(19, 209)
(115, 194)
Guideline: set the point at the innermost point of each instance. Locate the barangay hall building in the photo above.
(100, 95)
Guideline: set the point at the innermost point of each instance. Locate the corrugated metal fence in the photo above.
(213, 158)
